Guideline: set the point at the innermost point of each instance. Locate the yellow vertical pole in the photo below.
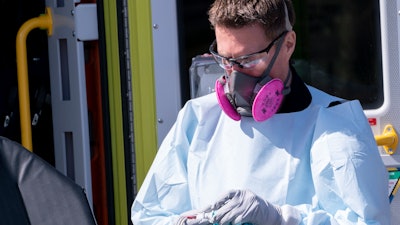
(143, 86)
(143, 95)
(43, 22)
(115, 110)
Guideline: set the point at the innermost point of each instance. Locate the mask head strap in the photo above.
(288, 25)
(265, 78)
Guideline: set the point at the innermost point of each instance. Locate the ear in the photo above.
(290, 43)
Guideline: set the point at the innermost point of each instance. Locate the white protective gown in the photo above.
(321, 163)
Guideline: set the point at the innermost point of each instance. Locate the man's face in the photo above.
(235, 43)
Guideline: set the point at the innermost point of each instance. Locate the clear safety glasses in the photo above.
(245, 61)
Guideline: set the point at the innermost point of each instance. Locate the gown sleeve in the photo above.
(164, 194)
(350, 179)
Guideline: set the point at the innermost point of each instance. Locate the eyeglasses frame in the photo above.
(235, 60)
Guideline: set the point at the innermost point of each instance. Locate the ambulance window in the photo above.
(339, 48)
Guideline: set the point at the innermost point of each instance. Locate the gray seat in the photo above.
(34, 192)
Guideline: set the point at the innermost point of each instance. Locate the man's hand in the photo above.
(243, 206)
(236, 207)
(196, 217)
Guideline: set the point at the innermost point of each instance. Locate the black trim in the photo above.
(335, 103)
(184, 77)
(106, 113)
(125, 100)
(299, 97)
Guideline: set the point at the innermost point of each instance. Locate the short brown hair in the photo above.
(239, 13)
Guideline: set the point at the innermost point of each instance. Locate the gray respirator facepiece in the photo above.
(240, 94)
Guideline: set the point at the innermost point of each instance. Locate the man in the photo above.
(265, 148)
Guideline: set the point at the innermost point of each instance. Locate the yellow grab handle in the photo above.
(389, 139)
(43, 22)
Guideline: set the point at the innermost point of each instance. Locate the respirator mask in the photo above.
(240, 94)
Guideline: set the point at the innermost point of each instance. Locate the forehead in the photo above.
(234, 42)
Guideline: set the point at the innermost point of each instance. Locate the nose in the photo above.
(233, 67)
(229, 71)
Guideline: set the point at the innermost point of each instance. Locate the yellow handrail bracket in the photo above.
(388, 140)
